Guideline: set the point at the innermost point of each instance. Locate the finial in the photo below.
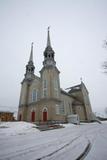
(32, 44)
(48, 38)
(81, 79)
(48, 28)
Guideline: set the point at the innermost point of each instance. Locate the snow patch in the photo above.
(68, 125)
(14, 128)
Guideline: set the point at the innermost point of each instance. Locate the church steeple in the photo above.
(31, 53)
(29, 75)
(49, 53)
(48, 38)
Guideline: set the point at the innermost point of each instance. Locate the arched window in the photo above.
(56, 87)
(45, 114)
(45, 84)
(44, 88)
(62, 108)
(34, 95)
(57, 109)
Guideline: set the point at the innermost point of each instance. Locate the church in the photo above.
(43, 100)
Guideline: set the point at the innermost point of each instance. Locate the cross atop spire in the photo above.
(48, 37)
(81, 79)
(31, 53)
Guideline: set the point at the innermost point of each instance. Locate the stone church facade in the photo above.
(43, 100)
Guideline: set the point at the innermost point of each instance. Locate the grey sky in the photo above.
(78, 28)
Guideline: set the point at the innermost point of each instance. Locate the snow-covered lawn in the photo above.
(22, 141)
(16, 128)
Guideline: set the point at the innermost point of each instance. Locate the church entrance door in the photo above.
(33, 116)
(45, 115)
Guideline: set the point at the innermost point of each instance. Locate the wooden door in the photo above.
(33, 116)
(44, 116)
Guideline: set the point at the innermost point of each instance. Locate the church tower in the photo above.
(50, 73)
(25, 85)
(50, 83)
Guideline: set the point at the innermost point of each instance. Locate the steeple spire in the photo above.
(49, 53)
(31, 53)
(48, 38)
(29, 75)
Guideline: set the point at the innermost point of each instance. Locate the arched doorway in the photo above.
(45, 114)
(32, 116)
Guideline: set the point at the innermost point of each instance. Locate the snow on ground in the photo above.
(14, 128)
(68, 125)
(21, 140)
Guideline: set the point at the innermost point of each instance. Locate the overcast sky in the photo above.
(78, 28)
